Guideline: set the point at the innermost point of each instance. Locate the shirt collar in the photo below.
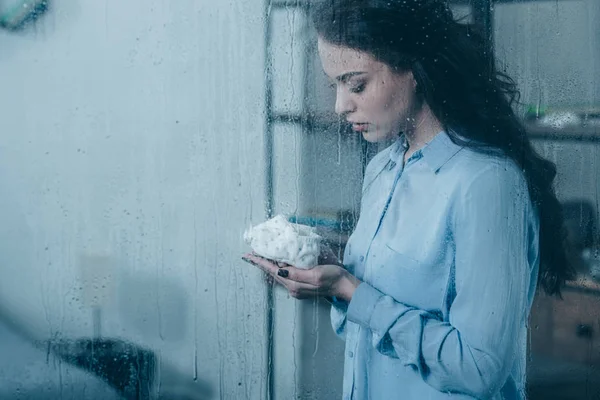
(398, 149)
(436, 153)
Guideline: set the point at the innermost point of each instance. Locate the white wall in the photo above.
(135, 130)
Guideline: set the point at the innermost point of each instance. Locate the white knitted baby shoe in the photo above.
(280, 240)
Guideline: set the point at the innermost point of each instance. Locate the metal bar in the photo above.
(562, 137)
(269, 196)
(290, 4)
(97, 321)
(307, 122)
(468, 2)
(483, 16)
(306, 128)
(289, 119)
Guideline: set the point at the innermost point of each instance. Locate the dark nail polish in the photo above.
(248, 261)
(283, 272)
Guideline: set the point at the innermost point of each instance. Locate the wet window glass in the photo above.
(306, 199)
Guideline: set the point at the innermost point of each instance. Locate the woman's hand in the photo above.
(322, 280)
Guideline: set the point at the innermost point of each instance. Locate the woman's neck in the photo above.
(424, 128)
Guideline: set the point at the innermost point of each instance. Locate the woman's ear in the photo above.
(414, 82)
(418, 89)
(411, 77)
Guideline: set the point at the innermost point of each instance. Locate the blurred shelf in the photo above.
(572, 133)
(305, 3)
(584, 284)
(536, 132)
(470, 2)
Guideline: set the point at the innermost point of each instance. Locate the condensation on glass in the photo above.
(141, 138)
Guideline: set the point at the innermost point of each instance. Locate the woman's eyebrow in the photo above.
(344, 77)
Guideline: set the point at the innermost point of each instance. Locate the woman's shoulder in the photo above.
(477, 167)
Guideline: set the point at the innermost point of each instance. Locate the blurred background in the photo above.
(141, 138)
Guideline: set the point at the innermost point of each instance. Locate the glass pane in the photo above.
(132, 161)
(144, 142)
(287, 61)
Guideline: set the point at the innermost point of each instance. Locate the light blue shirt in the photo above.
(446, 247)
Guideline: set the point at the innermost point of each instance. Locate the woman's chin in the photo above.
(378, 137)
(370, 136)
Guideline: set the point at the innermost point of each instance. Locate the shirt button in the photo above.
(362, 258)
(350, 354)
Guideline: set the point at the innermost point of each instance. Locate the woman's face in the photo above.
(378, 102)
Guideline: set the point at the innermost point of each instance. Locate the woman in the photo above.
(458, 221)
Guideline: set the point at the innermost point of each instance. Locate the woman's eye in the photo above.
(357, 88)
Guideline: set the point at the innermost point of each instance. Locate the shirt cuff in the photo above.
(334, 301)
(362, 304)
(372, 309)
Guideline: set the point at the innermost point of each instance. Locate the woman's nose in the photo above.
(343, 103)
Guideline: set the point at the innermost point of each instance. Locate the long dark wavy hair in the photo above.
(457, 77)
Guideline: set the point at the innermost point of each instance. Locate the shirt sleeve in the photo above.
(473, 351)
(338, 316)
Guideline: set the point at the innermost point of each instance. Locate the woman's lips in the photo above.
(360, 127)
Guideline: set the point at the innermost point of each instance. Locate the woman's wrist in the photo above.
(347, 286)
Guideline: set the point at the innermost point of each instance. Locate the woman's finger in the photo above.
(298, 290)
(268, 267)
(294, 286)
(261, 263)
(296, 281)
(308, 276)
